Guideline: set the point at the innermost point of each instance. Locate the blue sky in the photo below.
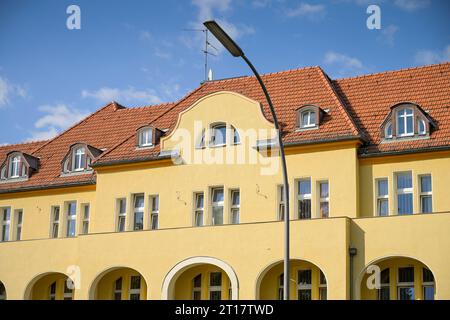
(137, 53)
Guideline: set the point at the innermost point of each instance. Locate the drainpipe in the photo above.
(352, 252)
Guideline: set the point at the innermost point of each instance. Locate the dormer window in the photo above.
(405, 122)
(308, 117)
(18, 166)
(218, 134)
(235, 135)
(146, 137)
(79, 158)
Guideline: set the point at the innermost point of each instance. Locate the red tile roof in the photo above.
(355, 108)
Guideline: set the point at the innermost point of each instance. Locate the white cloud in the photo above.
(412, 5)
(261, 3)
(432, 56)
(312, 11)
(388, 34)
(145, 35)
(57, 118)
(344, 64)
(107, 94)
(9, 90)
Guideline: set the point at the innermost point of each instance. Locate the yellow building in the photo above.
(183, 200)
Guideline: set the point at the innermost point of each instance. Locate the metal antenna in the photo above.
(205, 50)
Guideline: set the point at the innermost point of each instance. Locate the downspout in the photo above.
(352, 252)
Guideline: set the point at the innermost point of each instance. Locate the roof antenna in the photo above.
(206, 52)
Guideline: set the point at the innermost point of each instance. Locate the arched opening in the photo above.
(119, 283)
(2, 291)
(397, 278)
(201, 278)
(307, 282)
(50, 286)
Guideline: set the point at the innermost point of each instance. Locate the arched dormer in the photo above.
(18, 166)
(79, 158)
(406, 120)
(309, 117)
(147, 136)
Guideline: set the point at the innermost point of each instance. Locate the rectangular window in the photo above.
(404, 193)
(324, 200)
(135, 288)
(138, 222)
(86, 217)
(382, 197)
(217, 206)
(426, 194)
(199, 209)
(215, 286)
(428, 284)
(18, 222)
(71, 218)
(197, 288)
(121, 214)
(54, 227)
(322, 287)
(304, 285)
(281, 202)
(405, 288)
(68, 293)
(154, 212)
(6, 223)
(304, 199)
(117, 289)
(384, 291)
(235, 206)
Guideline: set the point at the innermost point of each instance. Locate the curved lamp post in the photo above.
(234, 49)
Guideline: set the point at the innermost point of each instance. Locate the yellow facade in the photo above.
(248, 254)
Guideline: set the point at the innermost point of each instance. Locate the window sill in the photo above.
(306, 128)
(75, 173)
(405, 138)
(12, 180)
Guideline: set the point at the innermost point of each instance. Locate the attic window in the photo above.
(79, 158)
(308, 117)
(145, 137)
(18, 166)
(406, 120)
(218, 134)
(15, 167)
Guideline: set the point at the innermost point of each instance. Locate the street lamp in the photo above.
(234, 49)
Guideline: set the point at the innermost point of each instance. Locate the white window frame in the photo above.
(215, 288)
(199, 210)
(71, 218)
(324, 199)
(425, 194)
(67, 292)
(419, 123)
(52, 295)
(55, 223)
(426, 284)
(118, 291)
(281, 203)
(213, 128)
(196, 289)
(138, 210)
(79, 152)
(85, 219)
(217, 204)
(309, 123)
(304, 196)
(403, 116)
(381, 198)
(135, 290)
(301, 286)
(18, 224)
(235, 138)
(15, 167)
(235, 209)
(6, 224)
(121, 215)
(402, 285)
(146, 137)
(388, 127)
(154, 212)
(201, 143)
(403, 191)
(384, 285)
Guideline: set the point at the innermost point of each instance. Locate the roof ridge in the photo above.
(263, 74)
(162, 104)
(340, 103)
(153, 120)
(394, 71)
(117, 106)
